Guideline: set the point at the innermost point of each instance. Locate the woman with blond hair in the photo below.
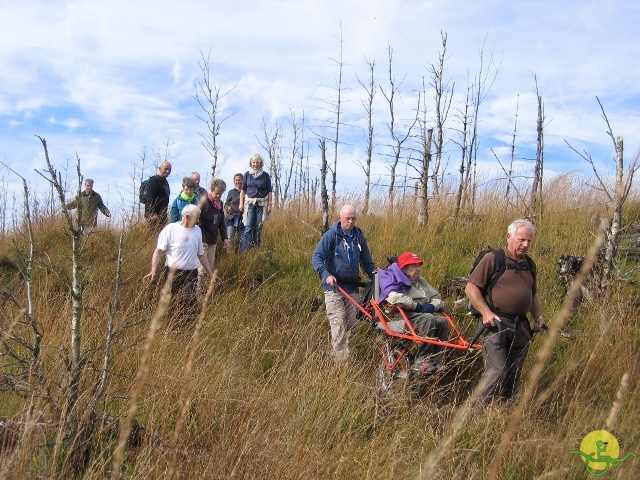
(255, 195)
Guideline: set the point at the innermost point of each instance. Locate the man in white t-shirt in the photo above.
(182, 244)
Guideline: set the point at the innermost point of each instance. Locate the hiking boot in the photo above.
(425, 367)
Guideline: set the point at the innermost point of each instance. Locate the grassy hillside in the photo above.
(251, 391)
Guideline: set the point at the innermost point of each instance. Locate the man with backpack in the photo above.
(337, 259)
(502, 290)
(156, 198)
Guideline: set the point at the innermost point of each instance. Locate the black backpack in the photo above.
(500, 267)
(142, 192)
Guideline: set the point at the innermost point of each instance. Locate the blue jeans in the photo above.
(231, 231)
(251, 237)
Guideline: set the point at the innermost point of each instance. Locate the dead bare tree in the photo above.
(138, 174)
(479, 89)
(281, 169)
(338, 111)
(4, 204)
(77, 285)
(70, 395)
(464, 137)
(210, 96)
(367, 103)
(324, 194)
(535, 204)
(398, 140)
(424, 157)
(617, 196)
(294, 154)
(273, 145)
(423, 211)
(443, 95)
(512, 155)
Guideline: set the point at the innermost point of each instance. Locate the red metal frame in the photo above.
(376, 312)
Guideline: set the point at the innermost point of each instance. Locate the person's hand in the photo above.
(490, 320)
(330, 280)
(437, 304)
(268, 208)
(241, 208)
(539, 324)
(422, 308)
(149, 276)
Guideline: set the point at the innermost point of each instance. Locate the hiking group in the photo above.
(501, 289)
(197, 218)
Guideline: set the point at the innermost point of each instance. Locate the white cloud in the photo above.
(105, 79)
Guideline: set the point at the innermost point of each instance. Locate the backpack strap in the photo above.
(499, 268)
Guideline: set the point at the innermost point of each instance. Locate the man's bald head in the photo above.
(347, 217)
(164, 169)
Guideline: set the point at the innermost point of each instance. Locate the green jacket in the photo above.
(90, 206)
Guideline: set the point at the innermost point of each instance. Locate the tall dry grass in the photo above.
(253, 392)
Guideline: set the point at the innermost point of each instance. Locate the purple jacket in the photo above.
(393, 279)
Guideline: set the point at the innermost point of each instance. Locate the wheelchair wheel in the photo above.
(393, 371)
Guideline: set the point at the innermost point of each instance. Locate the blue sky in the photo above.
(104, 79)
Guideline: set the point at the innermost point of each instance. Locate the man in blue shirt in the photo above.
(337, 259)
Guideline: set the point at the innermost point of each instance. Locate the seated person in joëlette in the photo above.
(402, 285)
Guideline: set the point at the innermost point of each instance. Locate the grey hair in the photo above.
(258, 157)
(89, 180)
(519, 223)
(218, 184)
(190, 210)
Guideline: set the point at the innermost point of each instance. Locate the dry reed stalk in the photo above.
(141, 376)
(185, 394)
(444, 446)
(617, 403)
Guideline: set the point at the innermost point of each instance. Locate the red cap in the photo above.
(409, 258)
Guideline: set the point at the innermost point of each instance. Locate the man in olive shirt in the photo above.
(88, 202)
(507, 331)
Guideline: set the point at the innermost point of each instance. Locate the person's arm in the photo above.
(474, 294)
(175, 212)
(155, 259)
(204, 261)
(318, 261)
(366, 260)
(103, 208)
(401, 300)
(241, 204)
(73, 204)
(228, 207)
(536, 312)
(222, 230)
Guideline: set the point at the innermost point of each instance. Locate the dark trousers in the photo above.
(183, 290)
(503, 353)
